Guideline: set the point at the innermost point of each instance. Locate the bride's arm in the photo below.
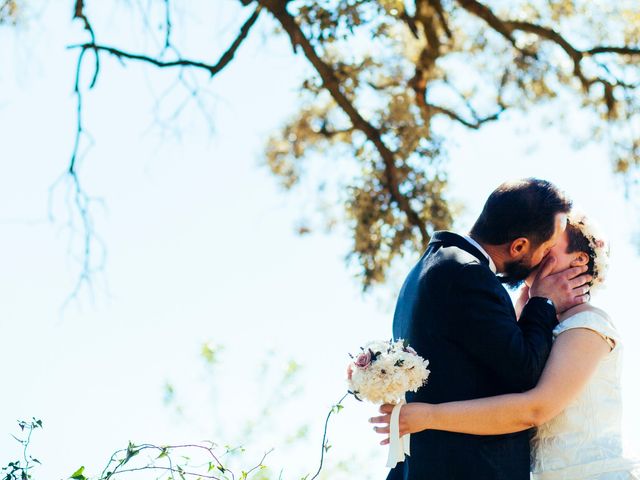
(573, 360)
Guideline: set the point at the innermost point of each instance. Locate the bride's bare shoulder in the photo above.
(585, 307)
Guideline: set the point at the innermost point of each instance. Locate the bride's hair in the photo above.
(584, 237)
(578, 242)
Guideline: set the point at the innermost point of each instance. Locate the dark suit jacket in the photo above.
(455, 312)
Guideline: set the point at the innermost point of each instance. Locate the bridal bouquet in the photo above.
(384, 372)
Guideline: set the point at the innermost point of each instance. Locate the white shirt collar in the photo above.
(492, 265)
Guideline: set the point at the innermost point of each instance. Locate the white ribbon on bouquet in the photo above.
(399, 447)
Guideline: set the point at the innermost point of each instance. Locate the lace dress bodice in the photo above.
(585, 441)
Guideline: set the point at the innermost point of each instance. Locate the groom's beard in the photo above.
(515, 273)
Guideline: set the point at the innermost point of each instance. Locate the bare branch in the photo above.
(608, 49)
(81, 201)
(167, 24)
(482, 11)
(80, 14)
(121, 54)
(437, 6)
(213, 69)
(475, 125)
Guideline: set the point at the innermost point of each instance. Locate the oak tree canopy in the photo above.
(389, 79)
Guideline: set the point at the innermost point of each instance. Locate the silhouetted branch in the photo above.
(475, 124)
(167, 24)
(482, 11)
(80, 14)
(80, 199)
(618, 50)
(213, 69)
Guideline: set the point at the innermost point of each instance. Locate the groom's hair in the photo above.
(522, 208)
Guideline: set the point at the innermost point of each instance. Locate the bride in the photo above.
(576, 405)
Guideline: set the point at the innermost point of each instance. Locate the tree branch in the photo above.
(79, 14)
(550, 34)
(81, 200)
(578, 55)
(609, 49)
(328, 133)
(482, 11)
(331, 83)
(437, 6)
(168, 25)
(507, 27)
(426, 63)
(475, 125)
(213, 69)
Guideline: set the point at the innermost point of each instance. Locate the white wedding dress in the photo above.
(584, 442)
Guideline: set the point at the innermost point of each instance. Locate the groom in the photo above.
(455, 312)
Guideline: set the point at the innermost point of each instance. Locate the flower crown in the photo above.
(600, 251)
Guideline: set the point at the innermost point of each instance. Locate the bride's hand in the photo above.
(413, 418)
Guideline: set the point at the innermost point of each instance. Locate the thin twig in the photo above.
(324, 436)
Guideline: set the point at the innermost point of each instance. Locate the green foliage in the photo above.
(281, 377)
(173, 461)
(414, 71)
(210, 353)
(392, 82)
(21, 469)
(167, 461)
(9, 11)
(201, 460)
(390, 85)
(78, 474)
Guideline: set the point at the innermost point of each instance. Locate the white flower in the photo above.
(394, 369)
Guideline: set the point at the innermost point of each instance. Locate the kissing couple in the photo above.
(522, 391)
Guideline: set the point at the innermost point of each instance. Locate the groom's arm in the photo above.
(483, 323)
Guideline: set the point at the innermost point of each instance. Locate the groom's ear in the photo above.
(519, 247)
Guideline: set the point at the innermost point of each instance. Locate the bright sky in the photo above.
(202, 247)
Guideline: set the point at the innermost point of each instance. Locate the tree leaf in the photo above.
(78, 474)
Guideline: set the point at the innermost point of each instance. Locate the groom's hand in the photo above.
(523, 298)
(413, 418)
(566, 289)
